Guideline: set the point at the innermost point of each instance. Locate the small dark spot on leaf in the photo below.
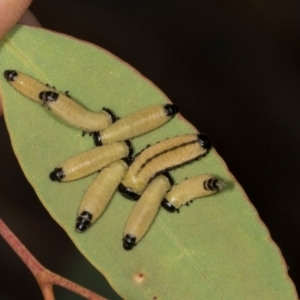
(139, 277)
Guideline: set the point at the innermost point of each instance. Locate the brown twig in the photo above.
(45, 278)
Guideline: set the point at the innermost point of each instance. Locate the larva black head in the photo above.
(129, 148)
(128, 160)
(213, 184)
(97, 138)
(112, 115)
(10, 75)
(57, 174)
(127, 193)
(83, 221)
(128, 241)
(205, 141)
(171, 109)
(168, 206)
(48, 96)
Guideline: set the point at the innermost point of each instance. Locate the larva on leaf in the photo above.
(60, 104)
(90, 161)
(145, 210)
(161, 157)
(136, 124)
(99, 194)
(74, 114)
(189, 189)
(26, 85)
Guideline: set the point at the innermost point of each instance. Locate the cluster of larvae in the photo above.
(143, 177)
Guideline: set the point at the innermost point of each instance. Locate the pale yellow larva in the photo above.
(74, 114)
(26, 85)
(136, 124)
(90, 161)
(163, 156)
(60, 104)
(99, 194)
(189, 189)
(145, 210)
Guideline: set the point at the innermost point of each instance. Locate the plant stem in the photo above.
(45, 278)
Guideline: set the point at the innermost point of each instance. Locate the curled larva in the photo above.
(189, 189)
(99, 194)
(90, 161)
(26, 85)
(145, 210)
(74, 114)
(60, 104)
(163, 156)
(136, 124)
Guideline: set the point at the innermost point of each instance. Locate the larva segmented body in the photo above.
(26, 85)
(60, 104)
(74, 114)
(192, 188)
(163, 156)
(145, 210)
(136, 124)
(90, 161)
(99, 194)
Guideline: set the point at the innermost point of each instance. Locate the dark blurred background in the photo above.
(233, 67)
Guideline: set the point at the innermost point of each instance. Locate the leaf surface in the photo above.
(217, 248)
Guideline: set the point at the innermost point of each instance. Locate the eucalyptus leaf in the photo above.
(217, 248)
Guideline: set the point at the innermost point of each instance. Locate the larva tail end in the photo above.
(171, 109)
(83, 221)
(10, 75)
(130, 149)
(205, 141)
(57, 174)
(128, 241)
(97, 138)
(221, 184)
(127, 193)
(168, 206)
(214, 184)
(112, 115)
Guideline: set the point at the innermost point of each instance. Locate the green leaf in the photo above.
(218, 248)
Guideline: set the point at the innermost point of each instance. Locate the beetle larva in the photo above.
(145, 210)
(26, 85)
(189, 189)
(74, 114)
(163, 156)
(99, 194)
(135, 124)
(90, 161)
(60, 104)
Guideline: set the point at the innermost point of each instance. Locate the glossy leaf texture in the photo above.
(217, 248)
